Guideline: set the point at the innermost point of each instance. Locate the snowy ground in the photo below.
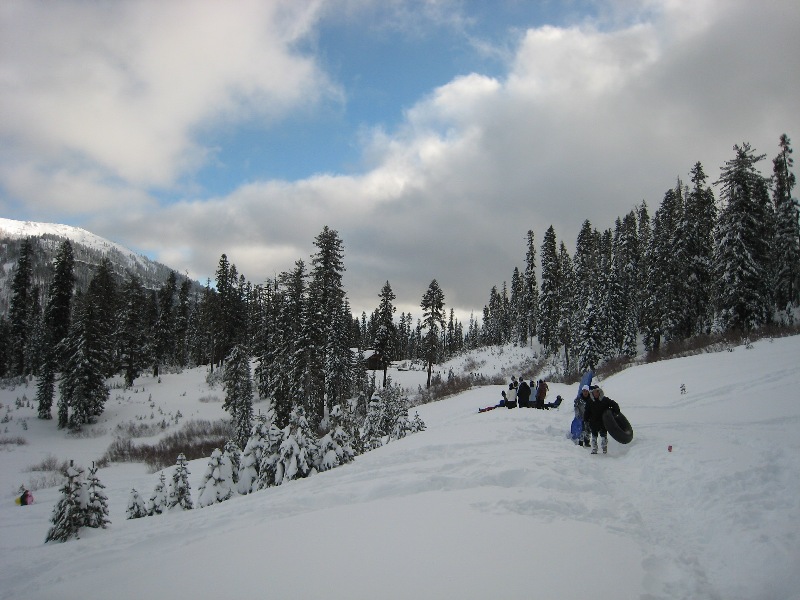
(493, 505)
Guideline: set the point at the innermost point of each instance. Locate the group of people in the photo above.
(519, 393)
(590, 405)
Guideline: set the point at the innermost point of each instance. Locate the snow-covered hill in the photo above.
(492, 505)
(22, 229)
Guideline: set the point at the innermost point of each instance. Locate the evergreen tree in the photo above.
(180, 491)
(432, 321)
(58, 310)
(19, 309)
(96, 515)
(233, 454)
(568, 294)
(326, 298)
(69, 512)
(136, 506)
(82, 386)
(742, 256)
(530, 292)
(102, 295)
(158, 501)
(298, 451)
(238, 386)
(164, 343)
(700, 217)
(787, 229)
(372, 431)
(46, 387)
(257, 445)
(549, 299)
(336, 447)
(386, 335)
(217, 485)
(182, 325)
(132, 334)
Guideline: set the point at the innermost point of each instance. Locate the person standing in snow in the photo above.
(511, 399)
(593, 413)
(523, 394)
(580, 405)
(541, 393)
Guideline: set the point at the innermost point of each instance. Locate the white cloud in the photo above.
(129, 85)
(589, 120)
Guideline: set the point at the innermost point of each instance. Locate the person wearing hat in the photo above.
(593, 413)
(511, 399)
(523, 394)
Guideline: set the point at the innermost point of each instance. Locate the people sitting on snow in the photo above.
(593, 413)
(523, 394)
(502, 403)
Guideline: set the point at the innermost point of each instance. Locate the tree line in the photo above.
(699, 265)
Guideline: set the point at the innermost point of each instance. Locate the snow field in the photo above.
(498, 504)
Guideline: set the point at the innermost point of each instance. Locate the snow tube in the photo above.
(618, 426)
(576, 430)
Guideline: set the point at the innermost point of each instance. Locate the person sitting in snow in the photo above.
(498, 405)
(593, 413)
(541, 393)
(511, 399)
(25, 499)
(523, 394)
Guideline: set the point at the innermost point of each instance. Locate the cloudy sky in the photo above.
(431, 134)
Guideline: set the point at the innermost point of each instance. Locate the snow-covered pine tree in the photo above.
(180, 491)
(268, 464)
(699, 221)
(372, 431)
(338, 358)
(96, 501)
(82, 386)
(549, 299)
(158, 501)
(298, 450)
(58, 309)
(432, 306)
(19, 309)
(335, 447)
(567, 325)
(164, 333)
(250, 462)
(104, 299)
(132, 334)
(386, 336)
(787, 230)
(628, 257)
(530, 289)
(238, 386)
(326, 298)
(137, 508)
(234, 455)
(46, 386)
(743, 242)
(69, 512)
(217, 485)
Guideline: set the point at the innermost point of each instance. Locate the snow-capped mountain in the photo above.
(89, 249)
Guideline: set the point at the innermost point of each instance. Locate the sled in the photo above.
(618, 426)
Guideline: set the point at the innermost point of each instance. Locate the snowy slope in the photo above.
(493, 505)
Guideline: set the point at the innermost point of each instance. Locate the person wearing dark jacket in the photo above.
(541, 393)
(593, 414)
(523, 394)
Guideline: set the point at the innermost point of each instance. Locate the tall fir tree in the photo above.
(742, 256)
(386, 335)
(568, 294)
(58, 310)
(432, 305)
(787, 229)
(83, 391)
(132, 336)
(238, 385)
(530, 288)
(697, 227)
(19, 309)
(104, 300)
(549, 299)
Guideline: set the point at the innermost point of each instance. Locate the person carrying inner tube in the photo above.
(593, 414)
